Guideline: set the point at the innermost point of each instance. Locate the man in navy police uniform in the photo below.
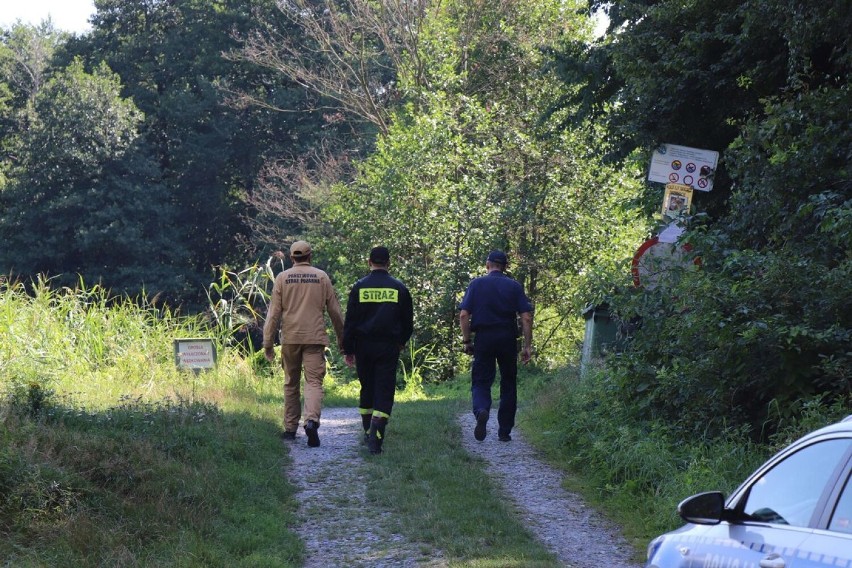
(490, 309)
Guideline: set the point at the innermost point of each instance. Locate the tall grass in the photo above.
(83, 341)
(112, 456)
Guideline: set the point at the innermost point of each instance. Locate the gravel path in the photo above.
(578, 535)
(331, 481)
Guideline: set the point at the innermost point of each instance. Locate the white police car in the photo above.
(795, 511)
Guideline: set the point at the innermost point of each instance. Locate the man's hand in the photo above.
(526, 355)
(269, 353)
(350, 360)
(467, 348)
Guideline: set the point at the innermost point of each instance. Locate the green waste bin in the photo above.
(601, 334)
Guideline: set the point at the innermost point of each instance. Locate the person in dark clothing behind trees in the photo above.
(379, 321)
(489, 309)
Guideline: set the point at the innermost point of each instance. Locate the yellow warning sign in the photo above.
(677, 200)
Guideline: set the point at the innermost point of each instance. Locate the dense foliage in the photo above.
(763, 323)
(464, 163)
(197, 149)
(85, 198)
(181, 136)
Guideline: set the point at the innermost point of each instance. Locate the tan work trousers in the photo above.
(293, 359)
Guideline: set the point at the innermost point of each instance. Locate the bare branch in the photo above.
(351, 55)
(290, 193)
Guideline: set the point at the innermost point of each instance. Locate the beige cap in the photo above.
(300, 249)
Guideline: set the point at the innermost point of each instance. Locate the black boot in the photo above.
(479, 432)
(365, 422)
(377, 435)
(311, 427)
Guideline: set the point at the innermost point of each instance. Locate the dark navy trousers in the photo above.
(492, 348)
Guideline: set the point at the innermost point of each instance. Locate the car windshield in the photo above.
(788, 493)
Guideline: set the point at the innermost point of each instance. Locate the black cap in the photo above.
(380, 255)
(498, 256)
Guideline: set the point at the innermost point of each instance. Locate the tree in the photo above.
(351, 53)
(25, 58)
(762, 325)
(471, 167)
(25, 62)
(169, 55)
(356, 59)
(85, 200)
(693, 73)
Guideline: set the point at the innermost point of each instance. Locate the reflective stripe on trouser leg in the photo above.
(364, 369)
(366, 416)
(377, 363)
(377, 434)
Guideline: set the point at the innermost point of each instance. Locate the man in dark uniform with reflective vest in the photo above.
(379, 321)
(490, 309)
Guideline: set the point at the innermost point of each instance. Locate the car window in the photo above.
(788, 493)
(841, 520)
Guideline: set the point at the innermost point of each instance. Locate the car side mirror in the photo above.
(703, 509)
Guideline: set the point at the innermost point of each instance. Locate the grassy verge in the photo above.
(162, 484)
(440, 495)
(109, 456)
(638, 472)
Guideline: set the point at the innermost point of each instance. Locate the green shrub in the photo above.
(716, 346)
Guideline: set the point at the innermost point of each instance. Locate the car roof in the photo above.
(844, 425)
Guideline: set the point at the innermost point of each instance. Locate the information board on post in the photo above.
(195, 354)
(684, 166)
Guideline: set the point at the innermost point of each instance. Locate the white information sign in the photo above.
(684, 165)
(195, 354)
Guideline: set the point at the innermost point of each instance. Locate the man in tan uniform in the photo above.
(300, 297)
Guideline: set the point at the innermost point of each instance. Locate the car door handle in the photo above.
(774, 560)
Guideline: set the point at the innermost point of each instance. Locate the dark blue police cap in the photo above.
(498, 256)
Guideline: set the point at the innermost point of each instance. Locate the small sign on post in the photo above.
(195, 354)
(677, 200)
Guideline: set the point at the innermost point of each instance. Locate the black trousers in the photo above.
(376, 363)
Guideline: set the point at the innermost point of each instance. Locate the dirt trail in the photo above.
(340, 528)
(577, 534)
